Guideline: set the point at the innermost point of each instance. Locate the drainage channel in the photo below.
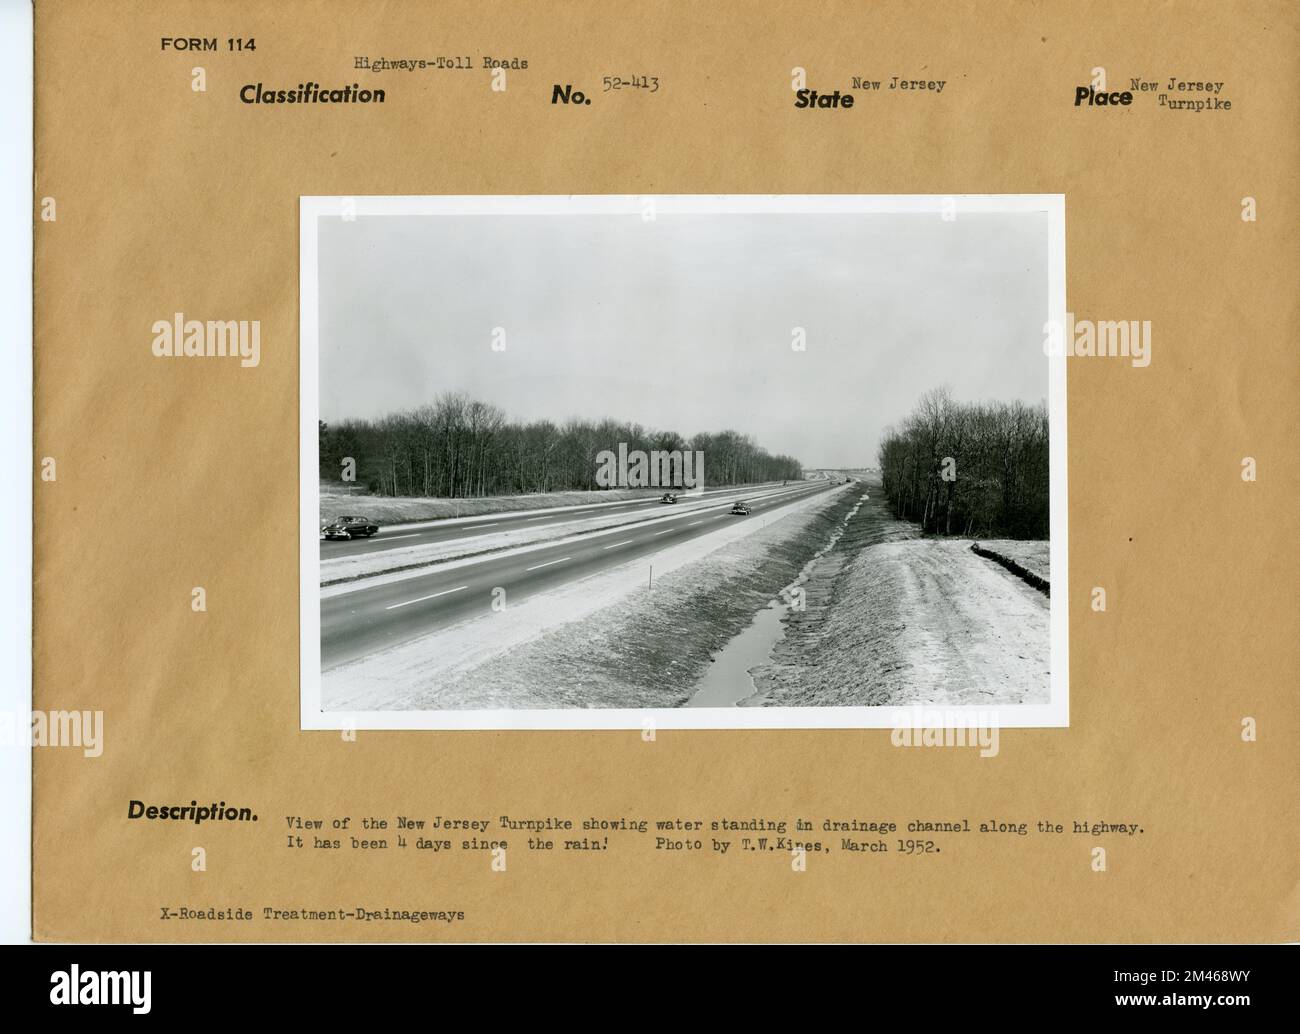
(728, 682)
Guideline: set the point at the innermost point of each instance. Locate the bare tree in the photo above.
(459, 446)
(970, 469)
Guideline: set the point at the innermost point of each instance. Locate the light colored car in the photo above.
(740, 508)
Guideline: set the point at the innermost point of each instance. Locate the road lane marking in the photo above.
(492, 525)
(390, 538)
(617, 544)
(666, 531)
(693, 523)
(548, 563)
(331, 589)
(434, 596)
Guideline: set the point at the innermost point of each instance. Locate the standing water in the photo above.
(728, 682)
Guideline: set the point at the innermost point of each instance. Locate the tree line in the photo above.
(970, 469)
(459, 447)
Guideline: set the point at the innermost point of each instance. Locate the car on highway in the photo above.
(668, 497)
(350, 528)
(740, 508)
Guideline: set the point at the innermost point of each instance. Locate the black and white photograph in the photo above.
(682, 461)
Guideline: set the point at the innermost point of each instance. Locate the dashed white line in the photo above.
(492, 525)
(666, 531)
(390, 538)
(617, 544)
(433, 596)
(548, 563)
(693, 523)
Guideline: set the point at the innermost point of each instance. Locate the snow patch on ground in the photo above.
(336, 499)
(919, 621)
(1033, 555)
(891, 618)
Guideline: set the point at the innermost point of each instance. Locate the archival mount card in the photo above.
(741, 472)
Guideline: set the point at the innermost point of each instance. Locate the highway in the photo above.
(418, 533)
(372, 617)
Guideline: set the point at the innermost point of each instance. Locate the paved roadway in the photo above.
(418, 533)
(370, 618)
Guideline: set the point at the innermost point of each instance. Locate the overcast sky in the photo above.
(685, 323)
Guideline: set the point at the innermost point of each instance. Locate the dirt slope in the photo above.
(893, 619)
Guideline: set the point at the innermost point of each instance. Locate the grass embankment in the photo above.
(650, 648)
(892, 618)
(336, 500)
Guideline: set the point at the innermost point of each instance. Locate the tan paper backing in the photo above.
(172, 475)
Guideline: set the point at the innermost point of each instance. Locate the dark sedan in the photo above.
(350, 528)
